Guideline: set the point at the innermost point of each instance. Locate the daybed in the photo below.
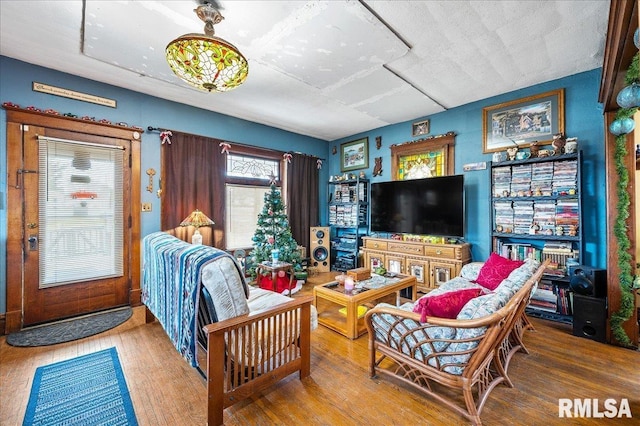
(470, 351)
(249, 338)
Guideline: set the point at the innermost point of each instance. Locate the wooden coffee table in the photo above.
(338, 309)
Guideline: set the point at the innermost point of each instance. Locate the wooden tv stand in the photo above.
(431, 264)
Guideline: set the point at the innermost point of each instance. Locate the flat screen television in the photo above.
(431, 206)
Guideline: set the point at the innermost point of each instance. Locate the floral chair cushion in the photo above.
(516, 279)
(481, 306)
(471, 270)
(416, 343)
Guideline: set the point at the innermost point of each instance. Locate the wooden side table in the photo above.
(274, 268)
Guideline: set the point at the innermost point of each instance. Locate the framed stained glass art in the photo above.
(423, 158)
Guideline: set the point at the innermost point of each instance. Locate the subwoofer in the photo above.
(590, 317)
(320, 248)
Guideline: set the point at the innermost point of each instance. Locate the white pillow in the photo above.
(224, 283)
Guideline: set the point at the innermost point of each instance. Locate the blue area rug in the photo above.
(87, 390)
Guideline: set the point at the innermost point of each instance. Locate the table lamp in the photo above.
(197, 219)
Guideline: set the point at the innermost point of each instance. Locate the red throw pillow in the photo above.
(445, 305)
(496, 269)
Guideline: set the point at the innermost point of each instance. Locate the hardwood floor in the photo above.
(165, 390)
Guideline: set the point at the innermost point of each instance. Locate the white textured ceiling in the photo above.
(326, 69)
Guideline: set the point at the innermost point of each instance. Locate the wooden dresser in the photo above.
(431, 264)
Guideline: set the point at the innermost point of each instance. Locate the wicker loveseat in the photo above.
(470, 353)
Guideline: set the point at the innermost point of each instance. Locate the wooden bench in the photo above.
(249, 353)
(249, 338)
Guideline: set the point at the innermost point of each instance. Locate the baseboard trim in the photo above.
(3, 321)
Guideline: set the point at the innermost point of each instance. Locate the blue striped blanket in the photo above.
(170, 286)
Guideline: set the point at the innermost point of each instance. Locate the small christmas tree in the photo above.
(273, 232)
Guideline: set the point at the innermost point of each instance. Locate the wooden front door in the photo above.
(69, 236)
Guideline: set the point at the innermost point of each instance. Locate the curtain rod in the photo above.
(160, 129)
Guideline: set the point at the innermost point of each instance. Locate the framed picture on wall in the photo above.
(354, 155)
(423, 158)
(523, 121)
(420, 128)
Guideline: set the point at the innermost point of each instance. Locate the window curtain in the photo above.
(193, 173)
(302, 196)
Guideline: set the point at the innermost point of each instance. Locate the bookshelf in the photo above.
(348, 220)
(536, 211)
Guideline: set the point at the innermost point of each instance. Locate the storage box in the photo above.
(359, 274)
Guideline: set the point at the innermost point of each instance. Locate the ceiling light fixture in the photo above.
(206, 61)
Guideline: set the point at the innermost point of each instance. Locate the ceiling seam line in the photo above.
(82, 29)
(383, 22)
(414, 86)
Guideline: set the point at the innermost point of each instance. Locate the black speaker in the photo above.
(320, 248)
(590, 317)
(588, 281)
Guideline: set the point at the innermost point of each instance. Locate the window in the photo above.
(80, 211)
(244, 203)
(248, 180)
(253, 168)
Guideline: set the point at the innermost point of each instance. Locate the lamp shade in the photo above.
(205, 61)
(197, 219)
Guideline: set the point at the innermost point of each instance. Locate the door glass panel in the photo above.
(80, 212)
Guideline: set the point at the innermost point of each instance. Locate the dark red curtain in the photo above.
(302, 196)
(193, 177)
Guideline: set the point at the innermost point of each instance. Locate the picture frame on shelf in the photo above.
(354, 155)
(420, 128)
(523, 121)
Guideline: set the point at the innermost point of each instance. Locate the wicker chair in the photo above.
(470, 355)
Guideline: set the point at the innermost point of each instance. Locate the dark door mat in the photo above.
(68, 330)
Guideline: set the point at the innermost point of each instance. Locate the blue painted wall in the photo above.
(136, 109)
(583, 119)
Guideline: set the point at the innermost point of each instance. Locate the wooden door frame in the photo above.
(619, 52)
(15, 242)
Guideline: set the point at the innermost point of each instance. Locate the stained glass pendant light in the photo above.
(206, 61)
